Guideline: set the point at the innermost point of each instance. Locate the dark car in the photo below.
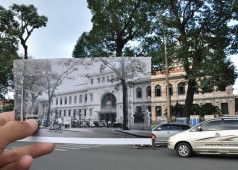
(164, 131)
(116, 125)
(96, 123)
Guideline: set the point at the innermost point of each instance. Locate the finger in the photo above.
(15, 130)
(24, 163)
(6, 117)
(35, 150)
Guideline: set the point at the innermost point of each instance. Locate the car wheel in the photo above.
(184, 150)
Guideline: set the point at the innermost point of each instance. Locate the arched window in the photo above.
(138, 116)
(139, 109)
(85, 98)
(148, 91)
(170, 89)
(181, 88)
(80, 98)
(108, 102)
(65, 100)
(138, 92)
(70, 99)
(157, 90)
(75, 99)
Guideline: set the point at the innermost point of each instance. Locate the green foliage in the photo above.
(202, 41)
(8, 51)
(206, 109)
(25, 20)
(8, 106)
(16, 25)
(115, 23)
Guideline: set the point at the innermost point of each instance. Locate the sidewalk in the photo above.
(137, 133)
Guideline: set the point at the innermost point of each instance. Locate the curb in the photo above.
(134, 134)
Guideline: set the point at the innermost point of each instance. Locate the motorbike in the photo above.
(138, 146)
(56, 127)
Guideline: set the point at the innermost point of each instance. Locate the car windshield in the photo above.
(208, 126)
(166, 127)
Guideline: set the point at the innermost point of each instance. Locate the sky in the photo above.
(67, 20)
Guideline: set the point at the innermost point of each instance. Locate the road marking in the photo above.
(66, 147)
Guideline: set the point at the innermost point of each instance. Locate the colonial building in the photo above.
(100, 98)
(224, 100)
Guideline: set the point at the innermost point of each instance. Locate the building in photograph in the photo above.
(100, 99)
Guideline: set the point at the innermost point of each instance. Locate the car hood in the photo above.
(180, 133)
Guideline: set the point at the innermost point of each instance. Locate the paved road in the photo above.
(106, 157)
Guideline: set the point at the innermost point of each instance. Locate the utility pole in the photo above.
(168, 102)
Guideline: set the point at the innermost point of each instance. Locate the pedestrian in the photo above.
(153, 138)
(59, 122)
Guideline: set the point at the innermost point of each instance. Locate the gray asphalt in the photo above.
(81, 157)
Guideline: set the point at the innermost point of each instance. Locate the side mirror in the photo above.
(159, 128)
(199, 128)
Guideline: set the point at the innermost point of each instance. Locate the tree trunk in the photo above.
(125, 104)
(25, 47)
(48, 112)
(189, 99)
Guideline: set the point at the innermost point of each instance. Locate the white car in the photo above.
(218, 136)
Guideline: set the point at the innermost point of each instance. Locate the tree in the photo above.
(234, 7)
(8, 105)
(115, 23)
(206, 109)
(8, 52)
(42, 77)
(54, 79)
(17, 24)
(26, 20)
(7, 55)
(203, 38)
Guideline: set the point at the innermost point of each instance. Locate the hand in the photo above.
(19, 158)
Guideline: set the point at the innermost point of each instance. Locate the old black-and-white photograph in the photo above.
(85, 98)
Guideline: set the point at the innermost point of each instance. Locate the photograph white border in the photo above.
(90, 141)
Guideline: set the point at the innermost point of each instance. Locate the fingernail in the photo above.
(33, 123)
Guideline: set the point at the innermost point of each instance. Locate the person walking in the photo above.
(153, 138)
